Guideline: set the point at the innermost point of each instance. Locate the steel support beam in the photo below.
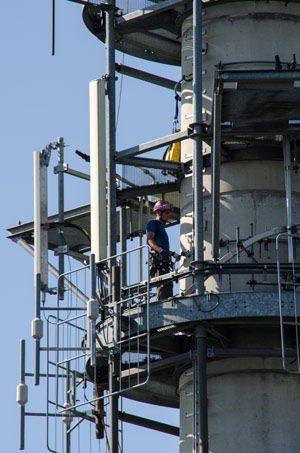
(78, 174)
(146, 76)
(167, 165)
(154, 144)
(151, 424)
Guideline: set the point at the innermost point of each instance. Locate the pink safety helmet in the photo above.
(163, 205)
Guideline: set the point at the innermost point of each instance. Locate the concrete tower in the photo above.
(251, 402)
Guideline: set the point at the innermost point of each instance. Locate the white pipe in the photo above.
(288, 192)
(40, 217)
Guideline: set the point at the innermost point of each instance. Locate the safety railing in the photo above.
(289, 307)
(82, 345)
(126, 330)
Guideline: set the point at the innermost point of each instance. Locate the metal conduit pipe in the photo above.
(197, 141)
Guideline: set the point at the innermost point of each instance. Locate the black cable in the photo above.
(211, 309)
(51, 225)
(277, 62)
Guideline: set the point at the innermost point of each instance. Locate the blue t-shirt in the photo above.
(161, 237)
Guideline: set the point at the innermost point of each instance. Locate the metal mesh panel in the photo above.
(136, 176)
(128, 6)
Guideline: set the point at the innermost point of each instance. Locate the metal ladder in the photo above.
(124, 334)
(289, 307)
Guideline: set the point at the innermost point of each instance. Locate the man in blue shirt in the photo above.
(158, 240)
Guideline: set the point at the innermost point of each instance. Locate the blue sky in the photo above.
(44, 97)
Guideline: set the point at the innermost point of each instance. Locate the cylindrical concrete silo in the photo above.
(252, 405)
(252, 184)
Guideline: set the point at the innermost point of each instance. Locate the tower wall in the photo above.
(252, 406)
(252, 403)
(252, 187)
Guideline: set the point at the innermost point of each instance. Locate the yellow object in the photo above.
(174, 151)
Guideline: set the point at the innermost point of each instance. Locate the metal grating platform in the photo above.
(152, 33)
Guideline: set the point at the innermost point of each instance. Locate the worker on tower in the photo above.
(158, 240)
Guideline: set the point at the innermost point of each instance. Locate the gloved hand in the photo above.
(187, 254)
(163, 255)
(176, 256)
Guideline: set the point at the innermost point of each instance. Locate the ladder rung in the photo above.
(289, 323)
(292, 284)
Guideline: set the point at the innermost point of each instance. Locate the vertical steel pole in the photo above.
(37, 340)
(22, 428)
(92, 321)
(215, 187)
(111, 130)
(114, 365)
(237, 242)
(201, 392)
(111, 192)
(123, 244)
(22, 407)
(197, 143)
(116, 296)
(113, 402)
(140, 239)
(61, 241)
(67, 399)
(288, 194)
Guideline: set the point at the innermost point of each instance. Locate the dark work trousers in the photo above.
(164, 290)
